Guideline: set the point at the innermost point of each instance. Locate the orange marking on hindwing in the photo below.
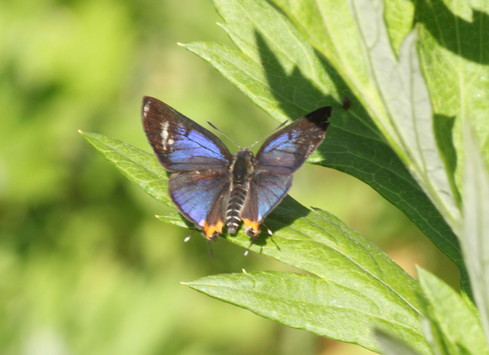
(212, 231)
(251, 225)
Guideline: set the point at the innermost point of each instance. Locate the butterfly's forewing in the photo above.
(179, 143)
(279, 157)
(201, 197)
(287, 149)
(199, 160)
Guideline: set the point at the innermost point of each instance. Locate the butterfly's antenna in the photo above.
(270, 133)
(217, 129)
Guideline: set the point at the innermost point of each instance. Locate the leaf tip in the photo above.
(420, 272)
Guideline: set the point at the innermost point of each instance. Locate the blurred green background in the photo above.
(85, 268)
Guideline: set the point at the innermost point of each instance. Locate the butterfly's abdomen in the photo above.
(241, 170)
(235, 205)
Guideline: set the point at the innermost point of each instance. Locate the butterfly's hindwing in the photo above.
(202, 198)
(179, 143)
(264, 194)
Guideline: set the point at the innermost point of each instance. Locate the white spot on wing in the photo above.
(165, 134)
(146, 107)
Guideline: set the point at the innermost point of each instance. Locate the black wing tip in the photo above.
(320, 116)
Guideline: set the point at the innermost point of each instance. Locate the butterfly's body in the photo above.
(241, 170)
(213, 188)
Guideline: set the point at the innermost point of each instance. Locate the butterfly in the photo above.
(213, 188)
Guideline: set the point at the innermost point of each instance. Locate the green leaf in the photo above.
(391, 345)
(443, 127)
(399, 18)
(355, 284)
(320, 306)
(392, 90)
(454, 322)
(456, 66)
(475, 229)
(138, 166)
(454, 53)
(175, 218)
(353, 287)
(278, 68)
